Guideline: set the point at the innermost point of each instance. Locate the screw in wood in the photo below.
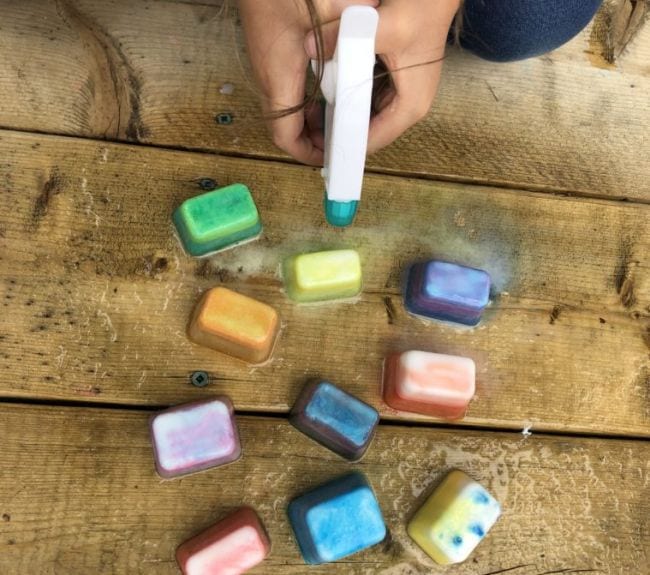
(224, 119)
(207, 184)
(200, 378)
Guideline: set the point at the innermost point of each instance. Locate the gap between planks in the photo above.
(478, 182)
(440, 425)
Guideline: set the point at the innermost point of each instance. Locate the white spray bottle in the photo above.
(347, 88)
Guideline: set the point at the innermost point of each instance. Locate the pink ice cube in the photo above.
(234, 545)
(194, 437)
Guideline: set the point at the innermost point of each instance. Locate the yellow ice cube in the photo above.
(323, 276)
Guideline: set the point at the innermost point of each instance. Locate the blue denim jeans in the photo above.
(507, 30)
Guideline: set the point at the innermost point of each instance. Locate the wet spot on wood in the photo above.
(135, 129)
(555, 314)
(206, 270)
(627, 293)
(50, 188)
(623, 281)
(391, 546)
(390, 309)
(153, 265)
(160, 265)
(88, 391)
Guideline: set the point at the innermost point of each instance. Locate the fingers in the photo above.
(389, 32)
(290, 132)
(314, 116)
(415, 26)
(330, 27)
(415, 90)
(285, 90)
(415, 67)
(292, 136)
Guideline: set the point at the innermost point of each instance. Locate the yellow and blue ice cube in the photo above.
(454, 519)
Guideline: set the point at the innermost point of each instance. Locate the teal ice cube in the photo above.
(217, 220)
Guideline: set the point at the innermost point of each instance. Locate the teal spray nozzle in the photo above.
(340, 214)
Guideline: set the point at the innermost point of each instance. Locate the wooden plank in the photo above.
(152, 72)
(83, 496)
(97, 292)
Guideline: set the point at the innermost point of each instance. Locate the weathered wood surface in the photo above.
(96, 292)
(573, 120)
(82, 496)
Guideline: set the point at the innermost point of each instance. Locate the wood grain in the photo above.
(93, 503)
(574, 120)
(96, 292)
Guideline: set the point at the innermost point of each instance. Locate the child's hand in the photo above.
(275, 34)
(410, 32)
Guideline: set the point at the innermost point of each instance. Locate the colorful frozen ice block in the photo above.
(194, 437)
(447, 292)
(429, 383)
(337, 519)
(335, 419)
(216, 220)
(323, 276)
(234, 545)
(454, 519)
(235, 324)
